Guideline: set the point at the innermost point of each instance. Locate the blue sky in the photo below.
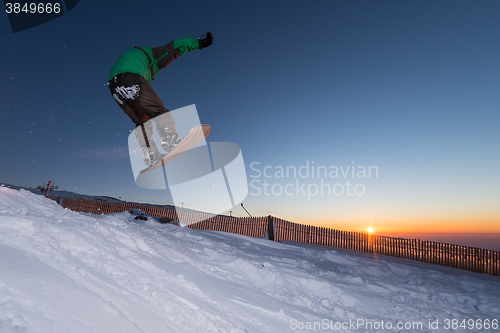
(409, 87)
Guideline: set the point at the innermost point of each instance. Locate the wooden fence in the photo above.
(457, 256)
(462, 257)
(249, 226)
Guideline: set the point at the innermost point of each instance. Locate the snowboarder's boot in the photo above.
(169, 138)
(151, 155)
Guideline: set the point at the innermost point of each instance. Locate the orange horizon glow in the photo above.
(360, 217)
(411, 225)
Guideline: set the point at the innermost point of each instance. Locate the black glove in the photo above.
(206, 40)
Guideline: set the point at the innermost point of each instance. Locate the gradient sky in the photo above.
(409, 87)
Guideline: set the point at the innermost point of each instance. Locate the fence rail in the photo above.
(462, 257)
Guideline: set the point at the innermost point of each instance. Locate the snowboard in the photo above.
(192, 138)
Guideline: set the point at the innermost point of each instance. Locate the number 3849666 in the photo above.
(32, 8)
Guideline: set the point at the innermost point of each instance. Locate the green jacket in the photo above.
(136, 60)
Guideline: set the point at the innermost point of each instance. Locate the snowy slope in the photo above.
(62, 271)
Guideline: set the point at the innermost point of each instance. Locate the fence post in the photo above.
(270, 228)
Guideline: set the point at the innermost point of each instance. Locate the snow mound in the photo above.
(62, 271)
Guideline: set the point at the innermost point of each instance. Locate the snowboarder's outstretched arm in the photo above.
(164, 55)
(148, 62)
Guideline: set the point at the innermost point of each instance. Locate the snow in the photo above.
(63, 271)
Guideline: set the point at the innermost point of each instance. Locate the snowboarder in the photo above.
(129, 81)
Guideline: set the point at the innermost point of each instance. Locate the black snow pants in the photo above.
(139, 101)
